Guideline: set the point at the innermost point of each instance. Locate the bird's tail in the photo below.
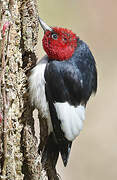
(65, 151)
(51, 152)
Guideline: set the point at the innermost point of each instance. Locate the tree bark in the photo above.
(19, 131)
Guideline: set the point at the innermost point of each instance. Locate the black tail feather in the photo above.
(65, 151)
(51, 152)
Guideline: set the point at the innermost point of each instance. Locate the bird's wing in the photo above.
(64, 82)
(64, 96)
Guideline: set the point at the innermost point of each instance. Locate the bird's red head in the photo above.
(60, 43)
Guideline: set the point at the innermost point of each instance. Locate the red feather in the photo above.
(61, 48)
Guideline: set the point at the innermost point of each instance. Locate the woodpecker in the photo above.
(60, 85)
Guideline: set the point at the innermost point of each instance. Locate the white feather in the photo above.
(37, 90)
(71, 119)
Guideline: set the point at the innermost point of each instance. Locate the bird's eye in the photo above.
(54, 36)
(65, 39)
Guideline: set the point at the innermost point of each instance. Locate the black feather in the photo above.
(71, 81)
(51, 152)
(62, 144)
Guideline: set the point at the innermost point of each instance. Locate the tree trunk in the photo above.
(19, 131)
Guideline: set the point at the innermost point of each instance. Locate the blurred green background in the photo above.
(94, 152)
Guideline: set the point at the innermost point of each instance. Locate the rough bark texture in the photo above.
(19, 158)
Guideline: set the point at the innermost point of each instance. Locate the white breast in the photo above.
(71, 119)
(37, 89)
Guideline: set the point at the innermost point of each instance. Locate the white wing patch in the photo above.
(37, 89)
(71, 119)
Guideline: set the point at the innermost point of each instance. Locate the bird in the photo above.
(60, 86)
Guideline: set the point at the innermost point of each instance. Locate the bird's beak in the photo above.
(44, 26)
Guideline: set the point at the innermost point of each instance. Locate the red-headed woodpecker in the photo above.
(61, 83)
